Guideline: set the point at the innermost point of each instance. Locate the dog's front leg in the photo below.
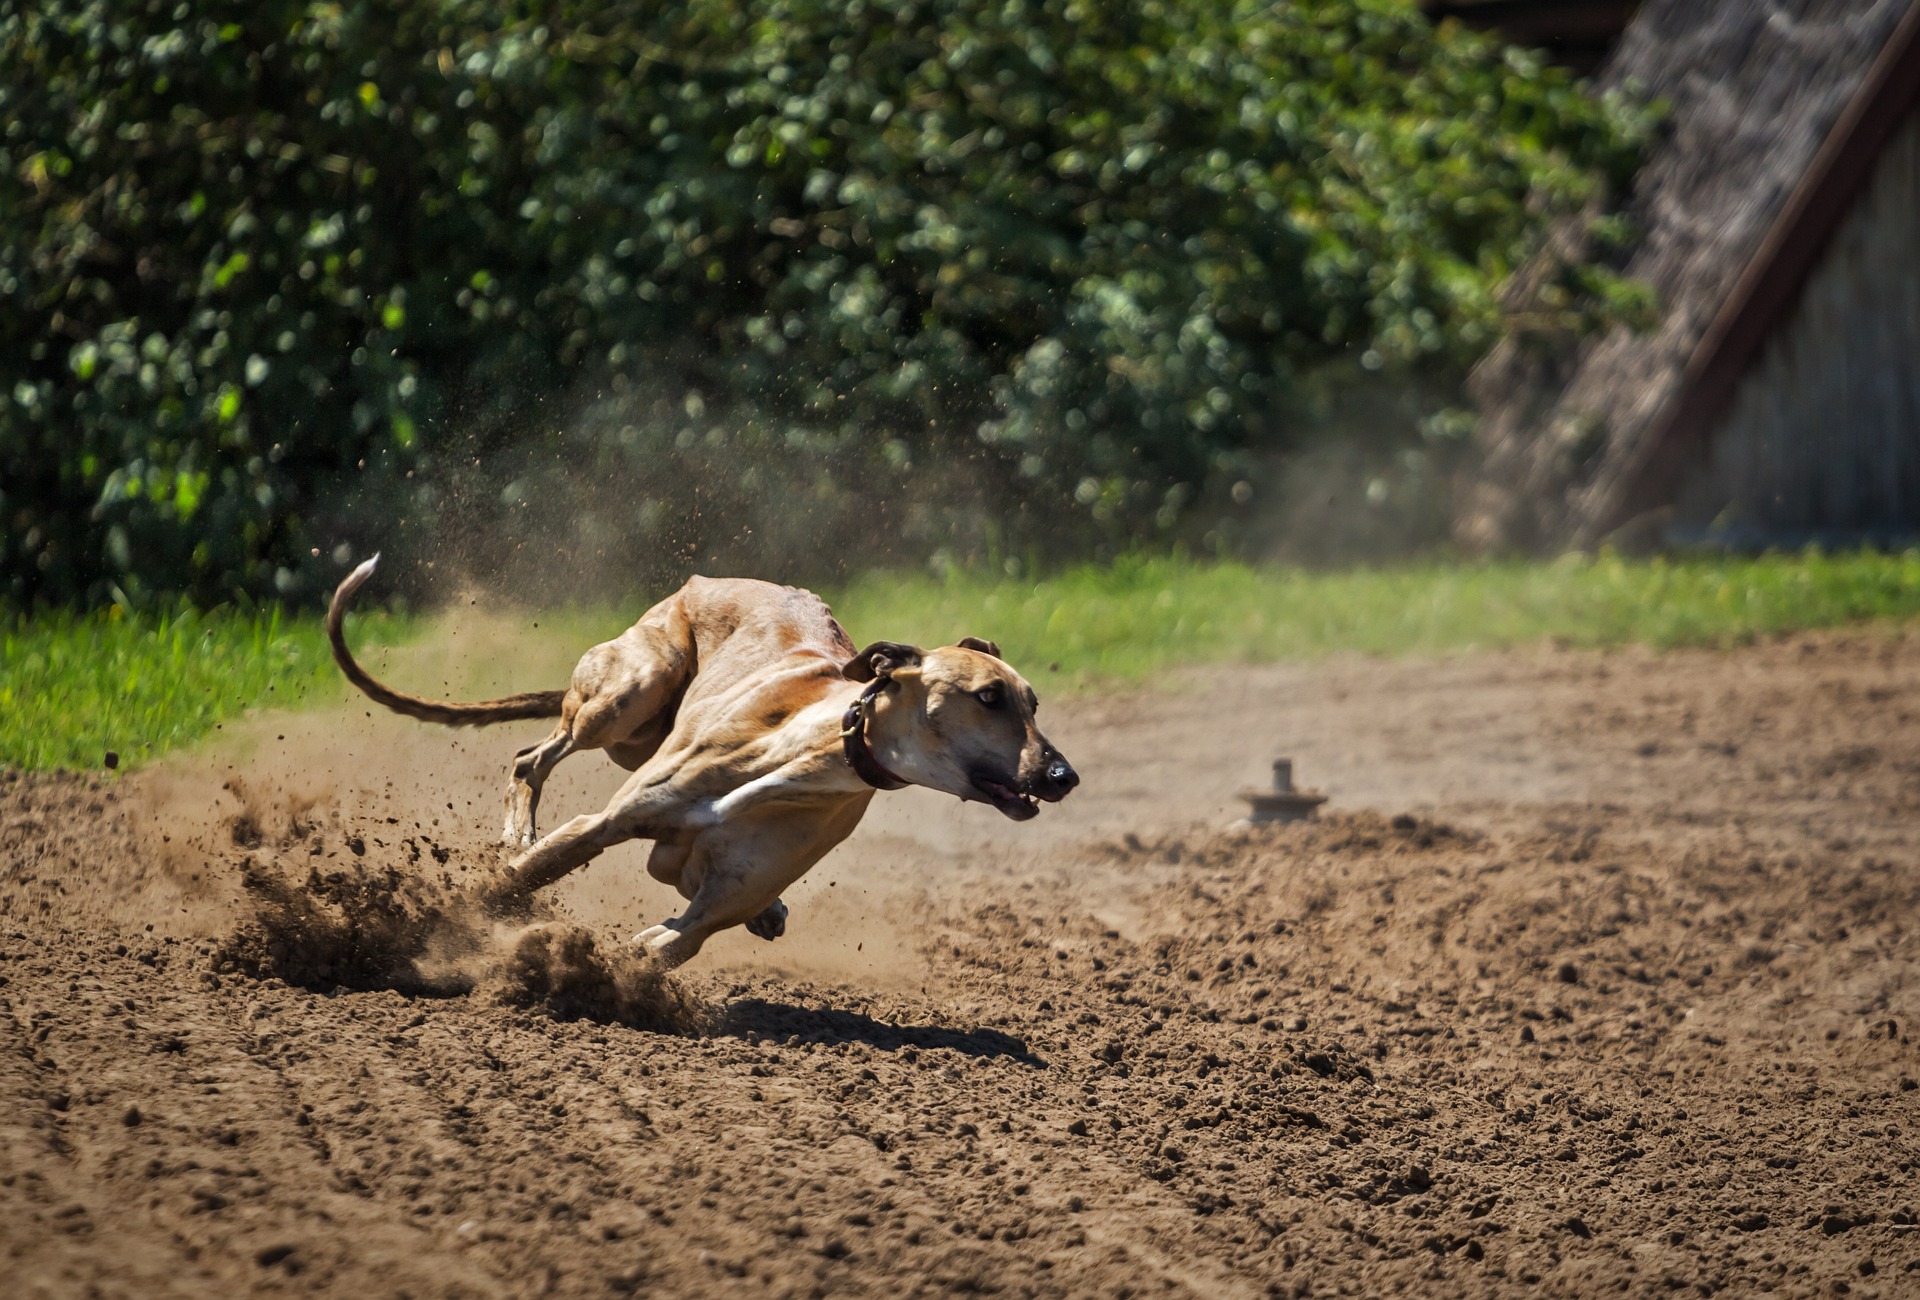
(750, 862)
(573, 845)
(634, 813)
(808, 779)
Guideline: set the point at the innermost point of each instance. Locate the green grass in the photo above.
(1132, 618)
(75, 687)
(72, 688)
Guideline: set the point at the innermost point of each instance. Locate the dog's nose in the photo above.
(1061, 776)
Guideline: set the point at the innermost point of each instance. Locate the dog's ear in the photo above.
(881, 659)
(975, 643)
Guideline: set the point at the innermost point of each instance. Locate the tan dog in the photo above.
(756, 737)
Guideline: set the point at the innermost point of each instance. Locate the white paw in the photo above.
(667, 945)
(652, 936)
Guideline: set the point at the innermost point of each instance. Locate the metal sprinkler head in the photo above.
(1283, 803)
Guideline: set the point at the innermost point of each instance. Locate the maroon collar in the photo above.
(853, 741)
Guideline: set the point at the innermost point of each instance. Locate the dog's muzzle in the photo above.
(1056, 779)
(1020, 799)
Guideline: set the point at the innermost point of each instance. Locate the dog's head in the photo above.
(960, 719)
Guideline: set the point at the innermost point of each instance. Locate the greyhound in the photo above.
(756, 736)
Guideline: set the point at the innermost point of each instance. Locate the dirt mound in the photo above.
(354, 929)
(329, 899)
(371, 923)
(570, 973)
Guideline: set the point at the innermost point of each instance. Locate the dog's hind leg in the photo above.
(531, 767)
(621, 700)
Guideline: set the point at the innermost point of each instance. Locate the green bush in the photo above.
(277, 274)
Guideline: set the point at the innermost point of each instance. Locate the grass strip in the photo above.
(74, 687)
(1131, 618)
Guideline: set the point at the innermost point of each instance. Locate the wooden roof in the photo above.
(1777, 113)
(1777, 271)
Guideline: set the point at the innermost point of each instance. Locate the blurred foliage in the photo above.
(277, 274)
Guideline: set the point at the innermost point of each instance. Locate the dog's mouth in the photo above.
(1009, 799)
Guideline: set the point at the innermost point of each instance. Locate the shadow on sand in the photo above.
(780, 1020)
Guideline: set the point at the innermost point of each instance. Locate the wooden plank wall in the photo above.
(1822, 439)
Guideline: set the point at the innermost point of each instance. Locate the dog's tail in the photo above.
(450, 713)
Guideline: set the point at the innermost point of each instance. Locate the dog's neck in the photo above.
(858, 750)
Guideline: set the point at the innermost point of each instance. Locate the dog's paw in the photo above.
(652, 936)
(772, 921)
(668, 944)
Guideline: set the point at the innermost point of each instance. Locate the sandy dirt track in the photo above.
(1597, 977)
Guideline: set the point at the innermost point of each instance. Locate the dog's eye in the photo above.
(990, 696)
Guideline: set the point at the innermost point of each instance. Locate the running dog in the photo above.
(756, 736)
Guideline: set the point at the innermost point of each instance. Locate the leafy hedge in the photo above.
(277, 273)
